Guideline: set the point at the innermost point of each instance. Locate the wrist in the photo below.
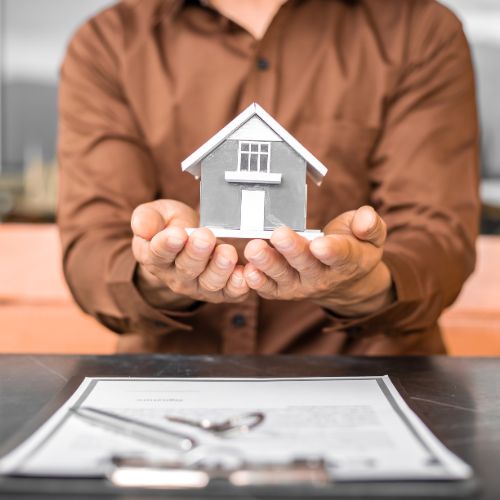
(372, 293)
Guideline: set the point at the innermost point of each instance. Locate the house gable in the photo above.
(315, 169)
(255, 130)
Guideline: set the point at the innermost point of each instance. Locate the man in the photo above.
(380, 91)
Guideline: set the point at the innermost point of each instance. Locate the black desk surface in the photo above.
(458, 398)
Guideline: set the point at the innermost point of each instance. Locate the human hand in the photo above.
(176, 270)
(341, 271)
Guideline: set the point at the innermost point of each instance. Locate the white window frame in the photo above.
(259, 154)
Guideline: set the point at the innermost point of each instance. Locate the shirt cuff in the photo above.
(143, 317)
(394, 319)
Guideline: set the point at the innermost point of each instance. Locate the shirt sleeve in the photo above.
(424, 176)
(105, 172)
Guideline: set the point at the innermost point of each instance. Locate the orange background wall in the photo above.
(38, 315)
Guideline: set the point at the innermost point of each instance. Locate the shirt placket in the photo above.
(261, 85)
(240, 323)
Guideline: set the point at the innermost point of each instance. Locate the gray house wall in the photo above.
(285, 203)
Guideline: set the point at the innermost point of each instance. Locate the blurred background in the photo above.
(33, 296)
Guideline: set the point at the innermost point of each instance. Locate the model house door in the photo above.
(252, 210)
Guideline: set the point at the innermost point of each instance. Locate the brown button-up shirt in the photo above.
(380, 91)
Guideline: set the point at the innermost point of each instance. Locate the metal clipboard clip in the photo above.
(196, 464)
(143, 473)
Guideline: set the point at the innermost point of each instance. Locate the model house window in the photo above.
(254, 156)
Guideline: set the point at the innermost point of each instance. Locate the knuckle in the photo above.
(299, 295)
(155, 250)
(269, 289)
(149, 260)
(196, 261)
(151, 269)
(281, 274)
(238, 299)
(187, 271)
(190, 274)
(308, 267)
(229, 293)
(176, 286)
(293, 293)
(346, 263)
(346, 266)
(369, 260)
(209, 285)
(214, 298)
(266, 295)
(234, 295)
(232, 292)
(323, 287)
(296, 253)
(364, 265)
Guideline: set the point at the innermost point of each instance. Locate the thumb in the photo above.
(150, 218)
(341, 224)
(368, 226)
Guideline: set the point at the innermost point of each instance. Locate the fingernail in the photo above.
(371, 220)
(223, 262)
(253, 277)
(236, 280)
(200, 244)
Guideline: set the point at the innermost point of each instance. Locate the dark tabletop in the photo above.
(458, 398)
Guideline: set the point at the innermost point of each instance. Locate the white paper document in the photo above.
(360, 425)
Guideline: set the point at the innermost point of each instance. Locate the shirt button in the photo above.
(262, 63)
(239, 320)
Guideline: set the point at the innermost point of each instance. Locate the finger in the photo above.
(337, 251)
(341, 224)
(193, 259)
(141, 251)
(236, 286)
(270, 262)
(295, 250)
(219, 269)
(367, 225)
(150, 218)
(259, 282)
(166, 245)
(146, 221)
(345, 254)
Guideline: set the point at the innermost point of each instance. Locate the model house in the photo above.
(253, 178)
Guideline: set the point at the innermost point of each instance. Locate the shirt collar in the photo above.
(169, 8)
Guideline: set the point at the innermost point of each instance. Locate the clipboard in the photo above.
(293, 481)
(57, 487)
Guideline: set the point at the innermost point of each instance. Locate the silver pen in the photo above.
(138, 429)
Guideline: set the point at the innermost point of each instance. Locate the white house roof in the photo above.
(192, 164)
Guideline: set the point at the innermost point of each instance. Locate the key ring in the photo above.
(238, 424)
